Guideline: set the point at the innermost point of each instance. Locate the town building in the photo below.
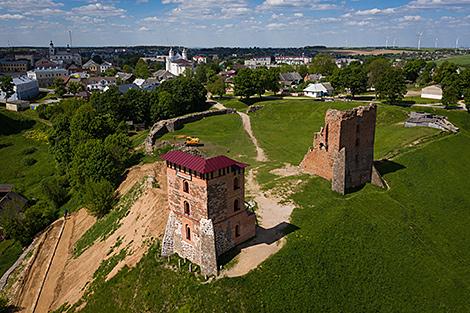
(177, 64)
(100, 83)
(290, 79)
(28, 57)
(343, 150)
(293, 60)
(259, 62)
(313, 77)
(432, 92)
(125, 78)
(199, 59)
(66, 57)
(163, 75)
(25, 88)
(46, 76)
(207, 218)
(45, 63)
(92, 67)
(105, 66)
(18, 66)
(343, 62)
(318, 90)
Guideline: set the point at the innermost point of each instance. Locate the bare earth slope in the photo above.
(68, 277)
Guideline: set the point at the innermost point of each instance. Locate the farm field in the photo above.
(463, 60)
(399, 250)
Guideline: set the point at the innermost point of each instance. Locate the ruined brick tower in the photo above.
(207, 208)
(343, 150)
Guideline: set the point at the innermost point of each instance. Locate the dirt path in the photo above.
(260, 155)
(273, 219)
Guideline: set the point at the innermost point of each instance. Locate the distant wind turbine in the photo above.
(420, 35)
(457, 43)
(435, 42)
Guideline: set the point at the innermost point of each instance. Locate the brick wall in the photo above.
(343, 150)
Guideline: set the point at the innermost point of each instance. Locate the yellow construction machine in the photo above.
(192, 141)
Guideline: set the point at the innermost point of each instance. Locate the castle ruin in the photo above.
(207, 215)
(343, 150)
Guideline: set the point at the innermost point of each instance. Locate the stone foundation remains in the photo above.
(343, 150)
(430, 120)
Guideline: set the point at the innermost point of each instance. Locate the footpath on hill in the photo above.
(273, 218)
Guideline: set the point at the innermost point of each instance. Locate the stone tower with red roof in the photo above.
(207, 208)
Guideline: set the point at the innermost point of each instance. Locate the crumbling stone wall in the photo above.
(343, 150)
(167, 126)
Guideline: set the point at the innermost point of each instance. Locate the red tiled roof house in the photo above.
(207, 208)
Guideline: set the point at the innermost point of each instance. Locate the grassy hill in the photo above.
(398, 250)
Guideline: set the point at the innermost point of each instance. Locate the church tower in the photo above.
(51, 49)
(185, 54)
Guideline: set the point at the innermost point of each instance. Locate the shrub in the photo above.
(54, 190)
(29, 161)
(29, 150)
(99, 197)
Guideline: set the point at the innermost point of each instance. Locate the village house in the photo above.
(92, 67)
(200, 59)
(45, 63)
(293, 60)
(290, 79)
(100, 83)
(163, 75)
(207, 218)
(318, 90)
(125, 78)
(432, 92)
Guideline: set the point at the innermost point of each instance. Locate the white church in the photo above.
(177, 64)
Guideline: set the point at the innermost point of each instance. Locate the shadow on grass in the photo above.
(387, 166)
(263, 236)
(10, 126)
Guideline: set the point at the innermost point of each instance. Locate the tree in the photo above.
(7, 86)
(425, 77)
(376, 70)
(54, 190)
(99, 197)
(59, 87)
(201, 73)
(391, 85)
(127, 68)
(450, 95)
(75, 87)
(443, 71)
(245, 83)
(413, 68)
(141, 69)
(352, 77)
(323, 64)
(216, 87)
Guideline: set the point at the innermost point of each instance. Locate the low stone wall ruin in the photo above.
(167, 126)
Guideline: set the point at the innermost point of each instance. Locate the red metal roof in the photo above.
(200, 164)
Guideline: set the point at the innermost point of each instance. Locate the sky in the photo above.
(236, 23)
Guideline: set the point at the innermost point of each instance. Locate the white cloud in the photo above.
(375, 11)
(308, 4)
(99, 9)
(11, 17)
(151, 19)
(209, 9)
(298, 14)
(144, 29)
(25, 5)
(410, 18)
(437, 3)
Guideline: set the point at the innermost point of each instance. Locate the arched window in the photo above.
(188, 232)
(237, 230)
(236, 205)
(186, 186)
(236, 183)
(187, 210)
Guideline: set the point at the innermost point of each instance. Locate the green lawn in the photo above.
(17, 143)
(233, 103)
(463, 60)
(419, 100)
(398, 250)
(219, 135)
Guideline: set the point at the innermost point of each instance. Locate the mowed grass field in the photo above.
(463, 60)
(399, 250)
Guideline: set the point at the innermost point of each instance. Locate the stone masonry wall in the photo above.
(165, 126)
(343, 150)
